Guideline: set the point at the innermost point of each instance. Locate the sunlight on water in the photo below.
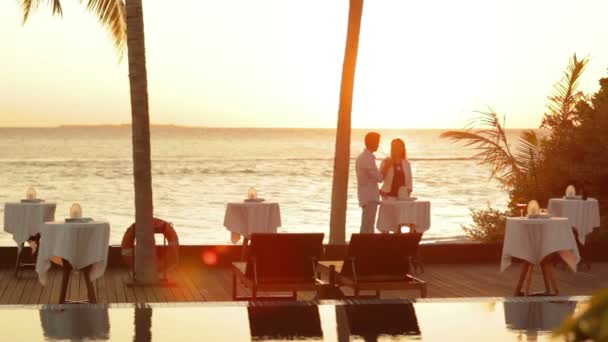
(197, 171)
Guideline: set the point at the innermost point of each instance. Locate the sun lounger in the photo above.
(279, 263)
(377, 262)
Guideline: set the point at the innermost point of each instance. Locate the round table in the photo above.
(394, 213)
(83, 245)
(245, 218)
(534, 239)
(23, 220)
(584, 216)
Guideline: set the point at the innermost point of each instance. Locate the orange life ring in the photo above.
(166, 258)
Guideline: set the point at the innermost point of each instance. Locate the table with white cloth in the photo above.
(80, 245)
(23, 220)
(584, 215)
(246, 218)
(533, 240)
(392, 214)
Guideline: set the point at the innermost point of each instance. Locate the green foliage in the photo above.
(488, 225)
(571, 147)
(487, 135)
(591, 324)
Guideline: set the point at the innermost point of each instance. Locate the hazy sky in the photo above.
(277, 63)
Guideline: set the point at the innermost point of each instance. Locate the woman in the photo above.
(398, 173)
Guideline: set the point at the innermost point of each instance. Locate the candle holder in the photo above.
(252, 194)
(30, 193)
(570, 191)
(533, 209)
(75, 211)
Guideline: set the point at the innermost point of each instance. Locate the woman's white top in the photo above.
(388, 179)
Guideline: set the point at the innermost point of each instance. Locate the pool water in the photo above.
(489, 319)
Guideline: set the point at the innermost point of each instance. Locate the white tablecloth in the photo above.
(533, 239)
(248, 218)
(583, 215)
(23, 220)
(392, 213)
(82, 244)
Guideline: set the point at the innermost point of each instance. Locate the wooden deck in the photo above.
(197, 284)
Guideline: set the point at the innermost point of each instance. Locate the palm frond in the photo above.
(111, 14)
(28, 5)
(491, 143)
(527, 150)
(562, 104)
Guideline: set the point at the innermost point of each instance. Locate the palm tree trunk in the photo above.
(339, 191)
(145, 250)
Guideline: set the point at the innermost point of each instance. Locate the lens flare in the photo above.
(209, 258)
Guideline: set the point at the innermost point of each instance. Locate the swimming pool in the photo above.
(475, 319)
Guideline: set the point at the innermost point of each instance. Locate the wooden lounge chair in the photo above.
(377, 262)
(279, 263)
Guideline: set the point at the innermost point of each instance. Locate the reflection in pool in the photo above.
(285, 322)
(533, 318)
(378, 320)
(77, 323)
(371, 321)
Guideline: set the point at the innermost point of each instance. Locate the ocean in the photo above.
(196, 171)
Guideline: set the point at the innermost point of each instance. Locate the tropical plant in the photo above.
(339, 191)
(126, 25)
(488, 225)
(562, 104)
(589, 325)
(558, 151)
(487, 135)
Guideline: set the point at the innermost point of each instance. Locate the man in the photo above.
(368, 177)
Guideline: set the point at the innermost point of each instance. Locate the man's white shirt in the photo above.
(368, 177)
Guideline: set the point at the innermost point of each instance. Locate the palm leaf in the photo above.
(28, 5)
(562, 104)
(527, 150)
(491, 143)
(111, 14)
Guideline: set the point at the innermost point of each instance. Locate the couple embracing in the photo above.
(395, 173)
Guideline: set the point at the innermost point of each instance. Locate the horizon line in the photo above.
(124, 125)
